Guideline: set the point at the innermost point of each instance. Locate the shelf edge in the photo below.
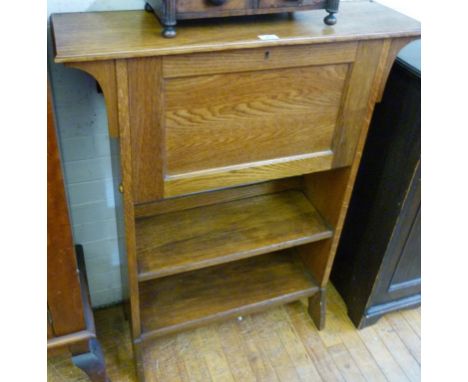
(170, 271)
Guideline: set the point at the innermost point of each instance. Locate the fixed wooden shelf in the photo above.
(241, 287)
(205, 236)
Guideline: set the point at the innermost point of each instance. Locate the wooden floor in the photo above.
(281, 344)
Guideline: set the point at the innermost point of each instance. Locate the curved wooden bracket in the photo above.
(390, 51)
(104, 73)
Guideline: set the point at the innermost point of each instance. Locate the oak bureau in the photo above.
(238, 154)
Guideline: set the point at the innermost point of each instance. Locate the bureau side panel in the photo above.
(330, 192)
(126, 155)
(147, 132)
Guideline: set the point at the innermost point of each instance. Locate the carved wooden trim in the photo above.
(390, 51)
(355, 112)
(104, 73)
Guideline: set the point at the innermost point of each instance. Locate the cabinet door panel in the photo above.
(258, 119)
(403, 267)
(240, 128)
(239, 118)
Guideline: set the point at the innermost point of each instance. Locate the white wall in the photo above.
(412, 8)
(86, 156)
(86, 153)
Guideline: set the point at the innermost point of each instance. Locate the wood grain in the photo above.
(64, 303)
(288, 3)
(382, 355)
(109, 35)
(210, 129)
(359, 352)
(245, 60)
(147, 131)
(331, 191)
(248, 117)
(248, 173)
(209, 198)
(391, 50)
(326, 190)
(129, 219)
(206, 6)
(402, 354)
(355, 116)
(172, 357)
(237, 356)
(307, 332)
(205, 236)
(242, 287)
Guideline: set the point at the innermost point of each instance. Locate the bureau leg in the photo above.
(317, 308)
(139, 361)
(92, 362)
(332, 9)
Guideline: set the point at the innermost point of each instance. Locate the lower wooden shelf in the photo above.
(195, 298)
(205, 236)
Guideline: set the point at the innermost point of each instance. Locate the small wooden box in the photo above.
(169, 11)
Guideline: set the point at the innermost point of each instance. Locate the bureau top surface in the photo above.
(95, 36)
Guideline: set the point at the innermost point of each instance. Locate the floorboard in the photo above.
(280, 344)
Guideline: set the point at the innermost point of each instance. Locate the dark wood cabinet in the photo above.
(170, 11)
(378, 263)
(70, 323)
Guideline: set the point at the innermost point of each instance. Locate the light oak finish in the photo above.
(128, 204)
(247, 173)
(261, 347)
(219, 109)
(204, 236)
(95, 36)
(240, 128)
(331, 191)
(220, 196)
(267, 58)
(195, 298)
(250, 117)
(146, 110)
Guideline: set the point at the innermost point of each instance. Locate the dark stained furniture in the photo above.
(378, 263)
(70, 323)
(238, 154)
(169, 11)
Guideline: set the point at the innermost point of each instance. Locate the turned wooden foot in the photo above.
(317, 308)
(331, 7)
(169, 31)
(92, 362)
(330, 19)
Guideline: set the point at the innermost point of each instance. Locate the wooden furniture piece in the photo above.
(238, 155)
(169, 11)
(70, 323)
(378, 263)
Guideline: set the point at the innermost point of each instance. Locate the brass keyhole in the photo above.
(267, 55)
